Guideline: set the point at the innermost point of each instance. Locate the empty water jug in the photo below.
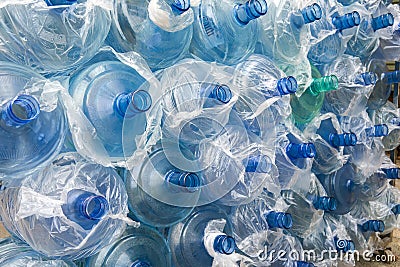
(53, 37)
(138, 247)
(75, 208)
(31, 128)
(159, 30)
(109, 93)
(225, 31)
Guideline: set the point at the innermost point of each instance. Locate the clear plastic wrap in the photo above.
(73, 207)
(52, 39)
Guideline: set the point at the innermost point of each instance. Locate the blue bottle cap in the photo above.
(224, 244)
(396, 209)
(311, 13)
(20, 111)
(287, 85)
(132, 103)
(304, 150)
(347, 21)
(60, 2)
(367, 78)
(391, 173)
(94, 207)
(344, 139)
(325, 203)
(220, 92)
(259, 163)
(139, 263)
(382, 21)
(391, 77)
(373, 226)
(279, 220)
(252, 9)
(187, 180)
(179, 6)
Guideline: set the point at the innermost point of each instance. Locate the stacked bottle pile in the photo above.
(204, 133)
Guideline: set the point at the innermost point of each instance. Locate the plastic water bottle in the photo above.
(375, 185)
(161, 194)
(305, 211)
(293, 158)
(53, 37)
(226, 32)
(355, 85)
(138, 247)
(366, 41)
(260, 80)
(32, 132)
(75, 208)
(109, 92)
(266, 213)
(382, 88)
(159, 30)
(342, 185)
(192, 244)
(21, 255)
(308, 105)
(329, 33)
(292, 20)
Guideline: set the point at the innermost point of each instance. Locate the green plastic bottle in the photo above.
(306, 107)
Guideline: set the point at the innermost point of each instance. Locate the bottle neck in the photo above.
(382, 21)
(185, 181)
(367, 78)
(221, 93)
(373, 226)
(379, 130)
(304, 150)
(179, 6)
(324, 84)
(391, 173)
(391, 77)
(344, 245)
(325, 203)
(224, 244)
(60, 2)
(396, 209)
(345, 139)
(92, 207)
(287, 85)
(131, 104)
(252, 9)
(347, 21)
(304, 264)
(311, 13)
(279, 220)
(140, 263)
(259, 163)
(20, 111)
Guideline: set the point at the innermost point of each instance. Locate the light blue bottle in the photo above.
(226, 32)
(211, 98)
(366, 41)
(305, 210)
(138, 247)
(342, 185)
(53, 36)
(382, 89)
(260, 80)
(330, 47)
(21, 255)
(161, 194)
(109, 92)
(258, 216)
(292, 23)
(292, 157)
(376, 185)
(75, 208)
(355, 85)
(161, 41)
(188, 239)
(31, 135)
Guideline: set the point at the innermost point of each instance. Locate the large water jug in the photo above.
(138, 247)
(202, 238)
(53, 37)
(159, 30)
(21, 255)
(160, 193)
(32, 126)
(73, 207)
(225, 31)
(109, 93)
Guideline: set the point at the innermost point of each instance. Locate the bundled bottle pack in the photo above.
(152, 133)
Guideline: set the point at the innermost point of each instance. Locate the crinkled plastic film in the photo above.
(51, 52)
(35, 205)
